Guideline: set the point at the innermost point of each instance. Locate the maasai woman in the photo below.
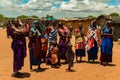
(18, 46)
(44, 41)
(79, 42)
(63, 33)
(53, 33)
(107, 44)
(35, 44)
(69, 55)
(92, 42)
(8, 28)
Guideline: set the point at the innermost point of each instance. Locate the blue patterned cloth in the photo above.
(107, 42)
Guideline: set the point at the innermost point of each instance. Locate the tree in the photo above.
(22, 16)
(1, 16)
(90, 16)
(34, 16)
(114, 14)
(4, 18)
(49, 17)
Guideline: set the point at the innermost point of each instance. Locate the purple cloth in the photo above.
(19, 49)
(62, 48)
(62, 42)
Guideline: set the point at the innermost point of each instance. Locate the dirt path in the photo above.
(82, 71)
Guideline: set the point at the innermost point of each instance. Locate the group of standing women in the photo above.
(43, 43)
(94, 40)
(100, 40)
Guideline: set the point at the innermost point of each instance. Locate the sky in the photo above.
(58, 8)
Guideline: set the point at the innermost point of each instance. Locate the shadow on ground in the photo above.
(24, 75)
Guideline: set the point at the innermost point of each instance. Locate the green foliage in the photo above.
(1, 16)
(34, 16)
(114, 14)
(49, 16)
(22, 16)
(91, 16)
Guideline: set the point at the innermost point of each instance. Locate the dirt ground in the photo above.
(81, 71)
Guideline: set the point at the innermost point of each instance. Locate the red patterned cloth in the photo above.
(80, 45)
(91, 36)
(79, 39)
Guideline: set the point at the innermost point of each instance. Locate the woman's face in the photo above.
(80, 26)
(94, 24)
(60, 25)
(108, 24)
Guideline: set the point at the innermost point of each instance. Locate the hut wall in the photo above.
(116, 35)
(74, 23)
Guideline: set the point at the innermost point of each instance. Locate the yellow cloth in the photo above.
(78, 39)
